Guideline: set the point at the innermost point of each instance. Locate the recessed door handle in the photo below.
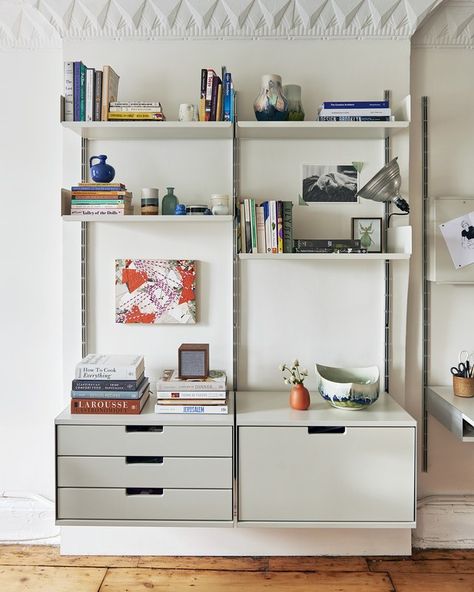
(144, 491)
(326, 430)
(135, 460)
(143, 428)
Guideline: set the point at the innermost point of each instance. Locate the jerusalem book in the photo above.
(355, 105)
(170, 381)
(83, 91)
(90, 72)
(109, 406)
(68, 91)
(356, 112)
(134, 116)
(287, 226)
(180, 395)
(97, 94)
(107, 385)
(136, 394)
(193, 409)
(110, 82)
(180, 402)
(348, 118)
(77, 90)
(110, 367)
(259, 216)
(279, 207)
(202, 95)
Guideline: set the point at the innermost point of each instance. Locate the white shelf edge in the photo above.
(137, 218)
(325, 256)
(451, 411)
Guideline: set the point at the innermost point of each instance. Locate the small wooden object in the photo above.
(463, 387)
(193, 360)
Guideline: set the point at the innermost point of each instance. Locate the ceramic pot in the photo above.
(299, 397)
(348, 388)
(101, 172)
(295, 108)
(271, 104)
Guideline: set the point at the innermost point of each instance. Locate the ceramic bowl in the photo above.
(348, 388)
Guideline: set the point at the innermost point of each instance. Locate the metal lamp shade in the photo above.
(385, 186)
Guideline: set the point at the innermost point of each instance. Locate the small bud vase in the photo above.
(299, 397)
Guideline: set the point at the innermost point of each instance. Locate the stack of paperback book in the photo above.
(101, 199)
(355, 111)
(217, 96)
(110, 384)
(266, 227)
(343, 245)
(136, 111)
(202, 395)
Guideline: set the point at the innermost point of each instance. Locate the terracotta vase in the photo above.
(299, 397)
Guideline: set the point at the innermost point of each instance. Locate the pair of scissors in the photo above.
(467, 359)
(460, 370)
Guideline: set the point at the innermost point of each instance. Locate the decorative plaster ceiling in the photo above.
(451, 25)
(42, 23)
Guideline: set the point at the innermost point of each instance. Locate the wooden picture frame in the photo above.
(369, 231)
(193, 360)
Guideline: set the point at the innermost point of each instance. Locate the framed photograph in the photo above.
(324, 183)
(369, 231)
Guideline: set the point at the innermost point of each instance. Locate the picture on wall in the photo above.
(369, 231)
(155, 291)
(459, 237)
(329, 183)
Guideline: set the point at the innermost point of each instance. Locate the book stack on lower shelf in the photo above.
(136, 111)
(101, 199)
(355, 111)
(196, 395)
(266, 227)
(110, 384)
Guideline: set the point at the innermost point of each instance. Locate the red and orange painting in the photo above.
(155, 291)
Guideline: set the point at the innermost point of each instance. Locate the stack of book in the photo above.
(101, 199)
(110, 384)
(266, 227)
(136, 111)
(88, 92)
(355, 111)
(202, 396)
(313, 245)
(217, 96)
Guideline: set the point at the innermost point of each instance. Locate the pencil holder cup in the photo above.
(463, 387)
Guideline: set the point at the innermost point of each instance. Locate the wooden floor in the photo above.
(42, 569)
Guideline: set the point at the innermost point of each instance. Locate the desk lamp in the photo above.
(385, 186)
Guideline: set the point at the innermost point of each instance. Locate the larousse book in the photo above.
(110, 367)
(170, 381)
(109, 406)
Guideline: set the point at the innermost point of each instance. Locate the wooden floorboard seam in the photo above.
(103, 579)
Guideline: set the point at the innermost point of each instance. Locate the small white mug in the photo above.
(186, 112)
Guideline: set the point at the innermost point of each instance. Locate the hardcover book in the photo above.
(110, 82)
(287, 226)
(97, 95)
(108, 394)
(107, 385)
(180, 395)
(68, 91)
(109, 406)
(170, 381)
(110, 367)
(193, 409)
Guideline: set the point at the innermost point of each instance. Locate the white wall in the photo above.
(30, 252)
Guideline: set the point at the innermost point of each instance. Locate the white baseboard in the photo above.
(445, 522)
(27, 518)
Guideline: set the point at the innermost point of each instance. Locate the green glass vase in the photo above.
(170, 201)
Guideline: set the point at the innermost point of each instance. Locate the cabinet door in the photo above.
(298, 474)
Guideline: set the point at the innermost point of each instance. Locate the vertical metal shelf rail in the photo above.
(387, 148)
(84, 228)
(426, 283)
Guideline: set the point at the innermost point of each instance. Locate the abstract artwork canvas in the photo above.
(155, 291)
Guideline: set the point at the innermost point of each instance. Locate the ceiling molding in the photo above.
(451, 25)
(45, 23)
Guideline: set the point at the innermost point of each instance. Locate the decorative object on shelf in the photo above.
(329, 183)
(385, 186)
(197, 210)
(186, 112)
(180, 210)
(295, 108)
(348, 388)
(219, 204)
(463, 381)
(458, 235)
(155, 291)
(299, 394)
(463, 387)
(169, 203)
(369, 232)
(149, 201)
(193, 360)
(271, 104)
(101, 172)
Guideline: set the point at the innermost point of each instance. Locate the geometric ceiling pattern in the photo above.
(451, 25)
(42, 23)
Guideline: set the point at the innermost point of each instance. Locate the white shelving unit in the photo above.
(325, 256)
(137, 218)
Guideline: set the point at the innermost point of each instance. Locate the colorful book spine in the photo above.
(97, 94)
(259, 216)
(101, 212)
(96, 187)
(273, 226)
(135, 115)
(99, 202)
(287, 226)
(349, 118)
(243, 238)
(130, 104)
(248, 228)
(137, 109)
(279, 206)
(202, 95)
(177, 395)
(90, 72)
(108, 406)
(68, 91)
(253, 225)
(193, 409)
(227, 96)
(77, 90)
(107, 385)
(214, 97)
(209, 84)
(136, 394)
(356, 112)
(83, 91)
(356, 105)
(267, 223)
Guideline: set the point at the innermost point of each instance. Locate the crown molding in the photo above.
(451, 25)
(45, 23)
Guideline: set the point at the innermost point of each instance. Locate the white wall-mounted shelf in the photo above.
(455, 413)
(325, 256)
(150, 219)
(319, 130)
(151, 130)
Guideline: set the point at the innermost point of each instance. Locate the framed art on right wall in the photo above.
(369, 231)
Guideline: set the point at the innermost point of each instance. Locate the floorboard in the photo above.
(422, 566)
(206, 563)
(23, 578)
(317, 564)
(49, 555)
(408, 582)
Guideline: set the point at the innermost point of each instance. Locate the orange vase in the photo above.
(299, 397)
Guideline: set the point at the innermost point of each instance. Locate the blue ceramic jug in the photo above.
(101, 172)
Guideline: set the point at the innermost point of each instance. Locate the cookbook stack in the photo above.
(110, 384)
(192, 395)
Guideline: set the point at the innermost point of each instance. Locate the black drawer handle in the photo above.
(144, 491)
(134, 460)
(143, 428)
(326, 430)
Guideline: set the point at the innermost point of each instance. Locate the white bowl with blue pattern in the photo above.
(348, 388)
